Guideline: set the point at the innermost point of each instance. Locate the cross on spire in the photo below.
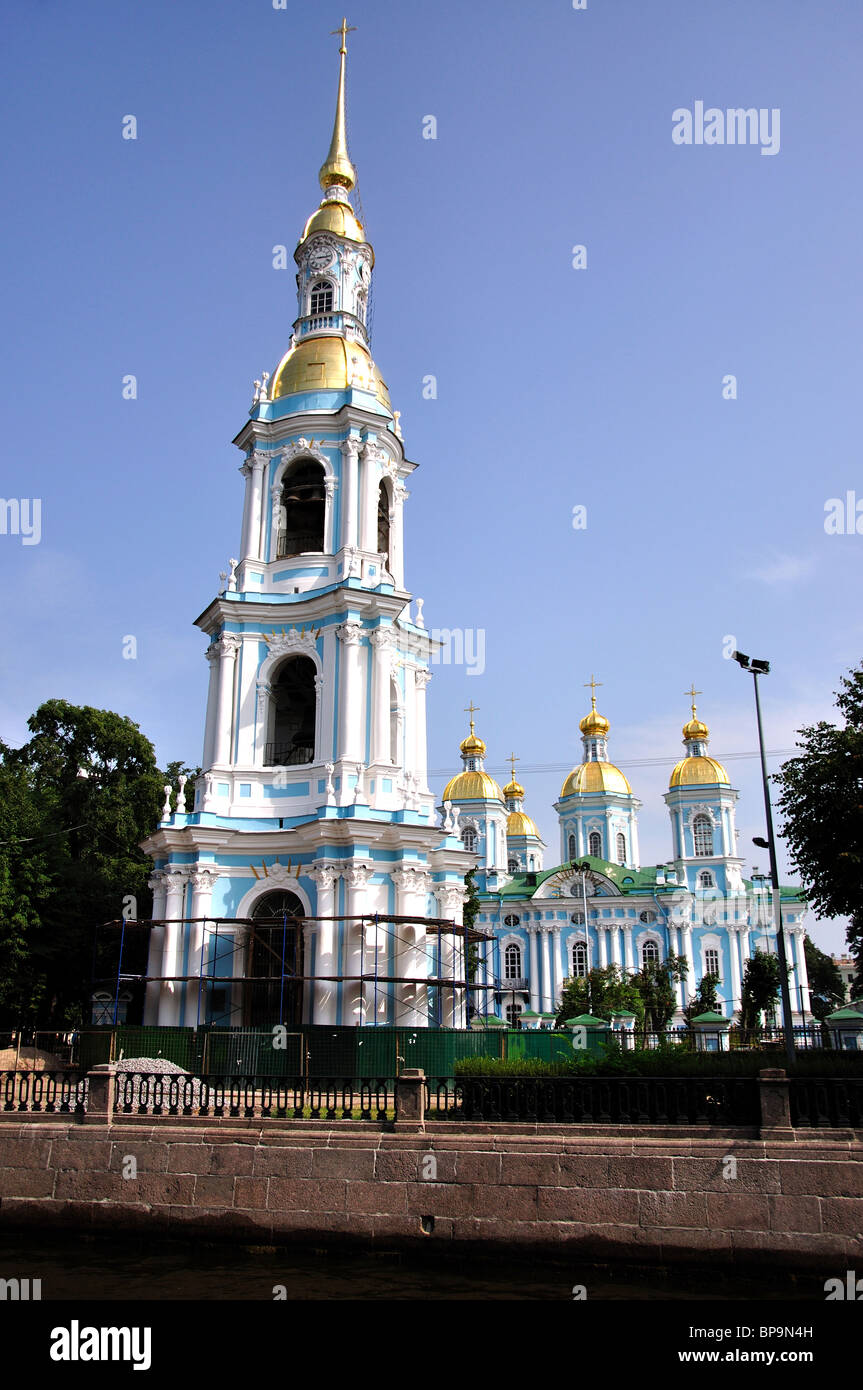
(692, 694)
(594, 686)
(344, 31)
(512, 762)
(472, 709)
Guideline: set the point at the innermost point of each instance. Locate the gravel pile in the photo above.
(139, 1091)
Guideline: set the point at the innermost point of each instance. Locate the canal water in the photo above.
(131, 1269)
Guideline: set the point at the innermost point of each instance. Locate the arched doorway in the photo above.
(274, 962)
(294, 707)
(384, 524)
(301, 522)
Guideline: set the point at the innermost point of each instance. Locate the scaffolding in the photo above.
(450, 980)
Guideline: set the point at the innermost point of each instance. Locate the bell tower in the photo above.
(314, 760)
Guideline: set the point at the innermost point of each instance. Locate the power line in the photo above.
(624, 762)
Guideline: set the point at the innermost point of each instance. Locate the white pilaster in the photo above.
(535, 999)
(202, 881)
(381, 645)
(546, 971)
(351, 703)
(229, 646)
(350, 454)
(325, 991)
(171, 994)
(156, 884)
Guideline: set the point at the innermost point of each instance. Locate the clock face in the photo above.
(320, 257)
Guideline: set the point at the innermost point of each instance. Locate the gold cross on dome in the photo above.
(692, 694)
(344, 31)
(594, 686)
(512, 762)
(472, 709)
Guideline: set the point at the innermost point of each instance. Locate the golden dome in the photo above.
(695, 729)
(514, 790)
(325, 364)
(595, 777)
(336, 217)
(594, 724)
(472, 746)
(698, 772)
(472, 786)
(517, 823)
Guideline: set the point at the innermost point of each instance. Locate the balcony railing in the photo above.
(298, 545)
(289, 754)
(518, 982)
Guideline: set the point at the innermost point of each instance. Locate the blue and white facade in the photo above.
(314, 796)
(549, 925)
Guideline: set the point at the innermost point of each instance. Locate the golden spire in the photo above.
(472, 747)
(337, 167)
(694, 729)
(594, 724)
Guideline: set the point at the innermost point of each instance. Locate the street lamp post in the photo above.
(756, 669)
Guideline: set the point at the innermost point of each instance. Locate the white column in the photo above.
(381, 645)
(246, 470)
(421, 680)
(229, 646)
(411, 957)
(370, 479)
(350, 453)
(329, 509)
(351, 724)
(733, 947)
(546, 971)
(535, 1000)
(263, 693)
(615, 945)
(172, 951)
(558, 967)
(451, 899)
(156, 884)
(397, 537)
(355, 1004)
(602, 936)
(802, 972)
(252, 545)
(203, 881)
(628, 948)
(691, 984)
(324, 996)
(212, 654)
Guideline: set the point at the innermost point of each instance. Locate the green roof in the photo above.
(586, 1021)
(852, 1013)
(638, 881)
(710, 1017)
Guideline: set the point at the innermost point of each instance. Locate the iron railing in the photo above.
(47, 1092)
(288, 754)
(254, 1097)
(609, 1100)
(826, 1102)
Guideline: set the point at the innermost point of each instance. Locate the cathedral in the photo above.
(312, 879)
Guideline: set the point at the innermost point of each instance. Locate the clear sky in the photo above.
(556, 387)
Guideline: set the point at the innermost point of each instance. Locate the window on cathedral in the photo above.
(572, 849)
(512, 962)
(711, 961)
(384, 523)
(321, 301)
(702, 834)
(470, 839)
(649, 953)
(512, 866)
(513, 1015)
(511, 920)
(579, 959)
(577, 918)
(621, 849)
(594, 844)
(274, 961)
(532, 862)
(361, 308)
(647, 916)
(293, 706)
(705, 879)
(301, 527)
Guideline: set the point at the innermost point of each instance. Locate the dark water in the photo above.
(128, 1269)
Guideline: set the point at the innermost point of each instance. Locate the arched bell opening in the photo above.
(293, 712)
(273, 992)
(302, 517)
(384, 529)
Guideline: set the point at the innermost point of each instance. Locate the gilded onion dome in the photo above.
(328, 364)
(473, 783)
(697, 769)
(513, 790)
(518, 823)
(594, 725)
(595, 777)
(472, 746)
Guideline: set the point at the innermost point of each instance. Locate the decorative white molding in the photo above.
(350, 633)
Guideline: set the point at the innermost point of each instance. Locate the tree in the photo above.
(826, 989)
(602, 992)
(821, 800)
(759, 989)
(75, 802)
(655, 983)
(705, 999)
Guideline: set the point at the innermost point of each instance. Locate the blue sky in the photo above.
(556, 387)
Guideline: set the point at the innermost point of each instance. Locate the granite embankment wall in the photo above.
(792, 1199)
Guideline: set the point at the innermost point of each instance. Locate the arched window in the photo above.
(579, 959)
(702, 834)
(274, 961)
(572, 849)
(321, 301)
(512, 866)
(511, 920)
(594, 844)
(647, 916)
(532, 862)
(705, 879)
(513, 1015)
(621, 849)
(649, 953)
(577, 918)
(711, 961)
(294, 706)
(361, 307)
(301, 528)
(512, 962)
(384, 523)
(470, 839)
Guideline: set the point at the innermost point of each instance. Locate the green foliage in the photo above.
(75, 802)
(705, 999)
(655, 984)
(469, 916)
(668, 1060)
(760, 988)
(826, 989)
(821, 801)
(604, 991)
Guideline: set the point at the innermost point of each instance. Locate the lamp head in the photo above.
(741, 658)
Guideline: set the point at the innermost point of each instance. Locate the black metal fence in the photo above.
(601, 1100)
(43, 1092)
(826, 1102)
